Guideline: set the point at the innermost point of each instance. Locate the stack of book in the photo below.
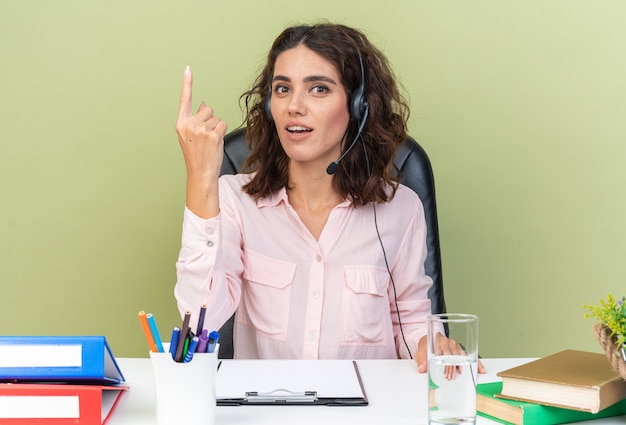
(58, 380)
(568, 386)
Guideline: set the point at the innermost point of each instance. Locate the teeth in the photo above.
(298, 128)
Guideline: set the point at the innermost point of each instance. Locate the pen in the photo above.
(155, 332)
(174, 341)
(214, 336)
(192, 348)
(184, 331)
(186, 347)
(204, 341)
(146, 330)
(201, 319)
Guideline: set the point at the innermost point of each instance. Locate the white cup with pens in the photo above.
(185, 392)
(184, 376)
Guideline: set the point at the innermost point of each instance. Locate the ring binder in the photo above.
(58, 359)
(281, 396)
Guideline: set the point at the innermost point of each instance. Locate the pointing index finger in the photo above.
(184, 109)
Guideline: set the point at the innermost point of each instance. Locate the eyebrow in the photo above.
(310, 79)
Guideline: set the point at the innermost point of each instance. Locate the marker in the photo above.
(186, 347)
(184, 332)
(204, 341)
(192, 348)
(155, 332)
(146, 330)
(174, 341)
(214, 336)
(201, 319)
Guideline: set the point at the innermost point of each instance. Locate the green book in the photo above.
(526, 413)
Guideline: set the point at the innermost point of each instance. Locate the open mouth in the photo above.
(296, 129)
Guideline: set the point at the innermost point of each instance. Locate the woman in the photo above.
(319, 249)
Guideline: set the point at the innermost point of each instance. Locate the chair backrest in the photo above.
(417, 173)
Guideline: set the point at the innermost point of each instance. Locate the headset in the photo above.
(359, 107)
(359, 111)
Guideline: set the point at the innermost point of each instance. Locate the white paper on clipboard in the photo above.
(329, 379)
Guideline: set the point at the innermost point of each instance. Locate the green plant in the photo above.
(612, 314)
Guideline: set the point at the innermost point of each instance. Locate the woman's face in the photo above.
(309, 106)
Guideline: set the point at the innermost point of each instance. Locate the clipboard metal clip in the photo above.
(281, 396)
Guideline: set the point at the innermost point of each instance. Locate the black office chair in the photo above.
(417, 173)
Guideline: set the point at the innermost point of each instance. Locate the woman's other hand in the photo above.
(445, 346)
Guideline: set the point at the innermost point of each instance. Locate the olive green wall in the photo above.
(521, 106)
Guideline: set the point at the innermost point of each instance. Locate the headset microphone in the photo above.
(334, 166)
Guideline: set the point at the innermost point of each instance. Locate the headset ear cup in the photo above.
(358, 104)
(268, 111)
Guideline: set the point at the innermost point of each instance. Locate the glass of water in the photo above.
(452, 368)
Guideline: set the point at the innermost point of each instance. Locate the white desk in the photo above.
(397, 395)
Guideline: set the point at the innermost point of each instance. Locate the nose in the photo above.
(297, 103)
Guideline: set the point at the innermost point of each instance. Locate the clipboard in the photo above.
(289, 382)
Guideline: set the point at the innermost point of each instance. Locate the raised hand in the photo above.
(201, 138)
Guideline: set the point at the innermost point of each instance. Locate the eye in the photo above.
(319, 89)
(281, 89)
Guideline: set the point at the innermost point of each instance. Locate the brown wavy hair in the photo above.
(362, 176)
